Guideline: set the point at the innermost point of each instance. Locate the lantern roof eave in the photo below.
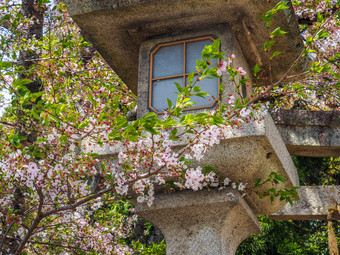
(116, 28)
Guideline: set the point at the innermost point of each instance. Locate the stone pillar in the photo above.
(205, 222)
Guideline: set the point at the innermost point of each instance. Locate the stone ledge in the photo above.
(313, 204)
(309, 133)
(295, 117)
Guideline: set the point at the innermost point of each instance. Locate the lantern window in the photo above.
(173, 62)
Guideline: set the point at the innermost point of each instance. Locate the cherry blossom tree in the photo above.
(57, 195)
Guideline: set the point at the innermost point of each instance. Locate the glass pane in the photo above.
(207, 85)
(194, 52)
(168, 61)
(163, 89)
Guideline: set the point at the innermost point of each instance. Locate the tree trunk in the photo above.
(27, 60)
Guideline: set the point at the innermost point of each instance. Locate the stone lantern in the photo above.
(150, 44)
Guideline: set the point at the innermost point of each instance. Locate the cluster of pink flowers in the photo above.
(196, 180)
(221, 68)
(231, 100)
(241, 71)
(223, 65)
(245, 112)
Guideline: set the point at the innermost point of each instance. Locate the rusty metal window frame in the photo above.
(184, 74)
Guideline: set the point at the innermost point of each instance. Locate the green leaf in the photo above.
(256, 70)
(336, 75)
(282, 5)
(173, 133)
(38, 153)
(308, 51)
(277, 32)
(268, 16)
(268, 44)
(83, 124)
(15, 140)
(309, 40)
(34, 96)
(179, 87)
(319, 17)
(169, 103)
(5, 65)
(151, 130)
(20, 82)
(275, 54)
(190, 77)
(208, 169)
(216, 45)
(257, 183)
(288, 199)
(23, 91)
(189, 104)
(296, 3)
(237, 102)
(150, 115)
(197, 89)
(186, 99)
(189, 117)
(34, 113)
(202, 94)
(63, 139)
(53, 118)
(94, 155)
(321, 34)
(268, 24)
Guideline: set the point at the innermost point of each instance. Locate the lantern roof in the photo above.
(116, 28)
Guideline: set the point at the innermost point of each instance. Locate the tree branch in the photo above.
(8, 124)
(35, 223)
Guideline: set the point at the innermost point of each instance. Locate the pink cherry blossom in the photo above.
(244, 112)
(221, 68)
(226, 181)
(231, 100)
(240, 70)
(194, 178)
(241, 186)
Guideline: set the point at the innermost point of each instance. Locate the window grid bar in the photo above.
(173, 76)
(184, 62)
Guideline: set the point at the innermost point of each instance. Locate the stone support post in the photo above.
(202, 222)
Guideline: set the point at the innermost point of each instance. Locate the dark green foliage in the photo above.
(155, 248)
(289, 238)
(318, 171)
(298, 237)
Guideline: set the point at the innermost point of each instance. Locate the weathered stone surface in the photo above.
(310, 133)
(313, 204)
(202, 222)
(118, 27)
(250, 153)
